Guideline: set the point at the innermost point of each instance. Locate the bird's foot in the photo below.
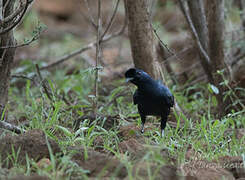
(162, 133)
(142, 128)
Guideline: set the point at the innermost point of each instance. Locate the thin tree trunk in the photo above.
(6, 57)
(216, 27)
(198, 17)
(141, 36)
(211, 45)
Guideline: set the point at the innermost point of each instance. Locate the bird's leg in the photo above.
(164, 119)
(163, 125)
(142, 123)
(162, 133)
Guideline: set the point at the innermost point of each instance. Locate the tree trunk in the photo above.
(141, 37)
(216, 29)
(211, 45)
(6, 57)
(198, 17)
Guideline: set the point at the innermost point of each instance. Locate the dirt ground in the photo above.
(35, 144)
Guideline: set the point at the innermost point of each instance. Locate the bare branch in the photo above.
(83, 49)
(11, 127)
(44, 85)
(177, 108)
(98, 57)
(34, 38)
(172, 53)
(21, 76)
(68, 56)
(111, 20)
(193, 30)
(92, 21)
(163, 44)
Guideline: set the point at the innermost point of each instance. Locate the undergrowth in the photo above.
(197, 128)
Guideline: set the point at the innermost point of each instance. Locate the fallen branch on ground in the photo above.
(11, 127)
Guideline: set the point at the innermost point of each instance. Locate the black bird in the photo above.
(152, 97)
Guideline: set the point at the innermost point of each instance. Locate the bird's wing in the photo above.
(171, 100)
(136, 97)
(168, 96)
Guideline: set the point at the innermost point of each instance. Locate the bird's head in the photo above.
(136, 76)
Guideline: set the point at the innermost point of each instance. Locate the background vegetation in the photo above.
(69, 123)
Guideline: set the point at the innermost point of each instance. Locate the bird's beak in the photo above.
(129, 79)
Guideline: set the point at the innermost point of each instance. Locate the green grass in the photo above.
(200, 131)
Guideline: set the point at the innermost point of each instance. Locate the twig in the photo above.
(176, 105)
(177, 54)
(11, 127)
(98, 57)
(92, 21)
(83, 49)
(168, 49)
(21, 76)
(68, 56)
(34, 38)
(44, 85)
(111, 20)
(165, 45)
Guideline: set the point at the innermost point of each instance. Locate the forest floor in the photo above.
(64, 140)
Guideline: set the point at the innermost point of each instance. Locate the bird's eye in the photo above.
(139, 73)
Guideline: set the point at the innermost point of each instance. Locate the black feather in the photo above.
(151, 97)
